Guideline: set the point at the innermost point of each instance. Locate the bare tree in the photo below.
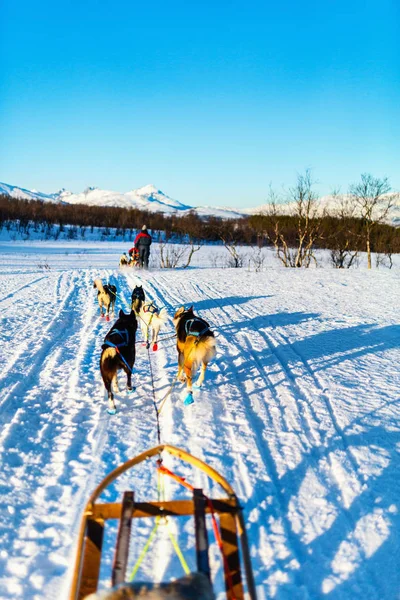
(230, 234)
(174, 255)
(171, 255)
(304, 213)
(345, 239)
(374, 201)
(192, 249)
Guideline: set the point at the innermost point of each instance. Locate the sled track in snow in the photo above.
(265, 418)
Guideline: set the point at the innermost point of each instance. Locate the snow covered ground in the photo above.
(300, 412)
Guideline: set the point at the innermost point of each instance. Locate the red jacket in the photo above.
(142, 239)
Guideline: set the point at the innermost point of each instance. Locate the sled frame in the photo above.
(96, 514)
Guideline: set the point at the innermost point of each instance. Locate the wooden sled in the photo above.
(230, 531)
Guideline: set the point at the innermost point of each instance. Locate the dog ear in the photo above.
(190, 309)
(179, 312)
(121, 314)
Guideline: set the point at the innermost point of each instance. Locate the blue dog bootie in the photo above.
(189, 399)
(112, 411)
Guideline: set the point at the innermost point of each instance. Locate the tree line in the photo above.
(355, 222)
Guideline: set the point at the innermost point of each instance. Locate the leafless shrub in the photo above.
(175, 255)
(257, 259)
(384, 260)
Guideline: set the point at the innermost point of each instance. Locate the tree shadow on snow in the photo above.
(364, 568)
(229, 301)
(270, 320)
(333, 347)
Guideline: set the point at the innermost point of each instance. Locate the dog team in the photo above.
(140, 253)
(196, 344)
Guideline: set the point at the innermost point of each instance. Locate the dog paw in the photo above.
(189, 399)
(196, 386)
(182, 379)
(112, 411)
(131, 389)
(107, 318)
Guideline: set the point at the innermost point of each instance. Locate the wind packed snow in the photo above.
(300, 413)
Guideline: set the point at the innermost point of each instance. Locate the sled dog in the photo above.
(124, 260)
(196, 345)
(118, 352)
(138, 298)
(106, 296)
(151, 319)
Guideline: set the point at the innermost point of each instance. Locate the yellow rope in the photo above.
(145, 549)
(178, 550)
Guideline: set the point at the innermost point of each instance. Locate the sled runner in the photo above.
(227, 523)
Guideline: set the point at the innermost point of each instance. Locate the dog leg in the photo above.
(188, 372)
(115, 383)
(144, 328)
(156, 331)
(129, 385)
(180, 377)
(112, 409)
(200, 380)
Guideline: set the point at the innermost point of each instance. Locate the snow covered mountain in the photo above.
(147, 198)
(18, 192)
(151, 199)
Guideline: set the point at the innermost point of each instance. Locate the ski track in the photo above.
(268, 418)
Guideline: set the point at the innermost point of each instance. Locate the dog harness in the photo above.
(124, 335)
(189, 327)
(150, 308)
(108, 290)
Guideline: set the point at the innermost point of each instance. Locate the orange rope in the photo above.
(217, 533)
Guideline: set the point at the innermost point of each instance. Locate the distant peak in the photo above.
(149, 189)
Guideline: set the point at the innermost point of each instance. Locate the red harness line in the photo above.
(216, 530)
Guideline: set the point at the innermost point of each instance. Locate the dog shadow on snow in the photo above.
(364, 568)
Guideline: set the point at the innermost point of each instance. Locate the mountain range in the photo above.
(151, 199)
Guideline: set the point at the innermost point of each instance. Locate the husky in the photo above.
(150, 317)
(138, 298)
(118, 352)
(106, 296)
(124, 260)
(196, 345)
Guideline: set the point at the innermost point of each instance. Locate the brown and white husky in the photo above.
(118, 352)
(106, 296)
(196, 346)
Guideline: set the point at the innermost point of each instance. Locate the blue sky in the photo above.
(210, 101)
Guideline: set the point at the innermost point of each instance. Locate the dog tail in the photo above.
(200, 350)
(163, 315)
(98, 284)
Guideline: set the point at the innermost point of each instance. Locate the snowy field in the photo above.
(300, 412)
